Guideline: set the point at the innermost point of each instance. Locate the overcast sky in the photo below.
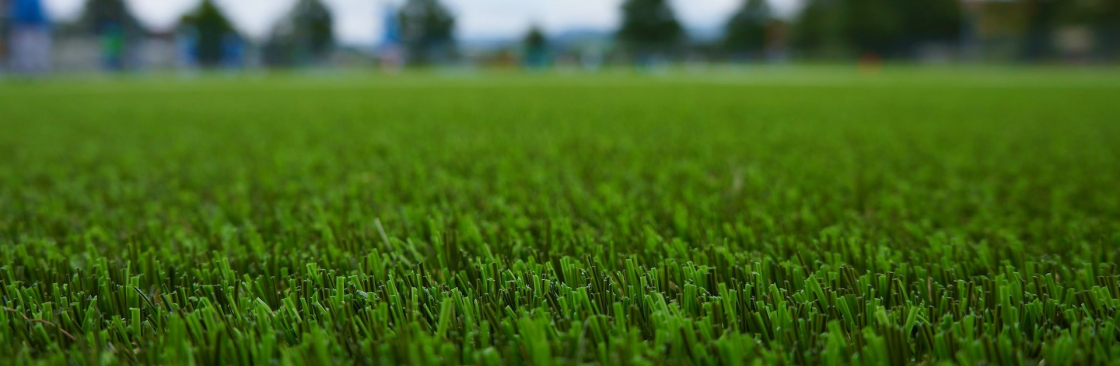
(358, 22)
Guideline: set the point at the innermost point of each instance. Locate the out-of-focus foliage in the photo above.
(649, 26)
(100, 14)
(305, 36)
(535, 39)
(427, 30)
(884, 28)
(745, 32)
(536, 48)
(212, 27)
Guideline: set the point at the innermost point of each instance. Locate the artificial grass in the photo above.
(814, 217)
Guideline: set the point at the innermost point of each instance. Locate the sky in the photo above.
(358, 22)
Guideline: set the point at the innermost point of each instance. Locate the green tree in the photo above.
(931, 20)
(535, 39)
(872, 26)
(882, 27)
(1041, 26)
(427, 30)
(536, 48)
(117, 29)
(211, 26)
(305, 36)
(314, 27)
(746, 30)
(649, 26)
(101, 14)
(818, 30)
(1106, 23)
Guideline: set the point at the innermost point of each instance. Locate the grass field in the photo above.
(811, 217)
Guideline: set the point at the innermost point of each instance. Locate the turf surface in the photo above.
(816, 216)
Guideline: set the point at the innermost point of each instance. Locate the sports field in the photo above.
(816, 216)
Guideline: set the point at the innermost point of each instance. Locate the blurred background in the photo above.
(40, 37)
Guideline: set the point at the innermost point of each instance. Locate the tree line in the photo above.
(650, 28)
(828, 29)
(881, 28)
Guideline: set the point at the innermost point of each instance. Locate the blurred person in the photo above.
(30, 37)
(233, 51)
(389, 52)
(112, 48)
(186, 43)
(119, 32)
(4, 7)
